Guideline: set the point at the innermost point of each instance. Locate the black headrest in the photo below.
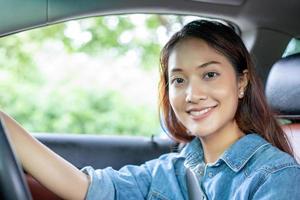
(283, 87)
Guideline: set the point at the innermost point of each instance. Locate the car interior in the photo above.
(283, 95)
(266, 27)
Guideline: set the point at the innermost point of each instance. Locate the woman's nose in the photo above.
(195, 92)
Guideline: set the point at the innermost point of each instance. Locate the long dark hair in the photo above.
(253, 114)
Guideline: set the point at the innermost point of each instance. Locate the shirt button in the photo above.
(210, 174)
(200, 172)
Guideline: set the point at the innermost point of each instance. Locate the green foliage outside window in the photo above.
(41, 105)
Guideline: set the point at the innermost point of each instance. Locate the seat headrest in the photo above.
(283, 87)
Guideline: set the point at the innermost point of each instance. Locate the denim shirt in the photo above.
(251, 168)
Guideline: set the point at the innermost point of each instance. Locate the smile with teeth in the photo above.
(199, 113)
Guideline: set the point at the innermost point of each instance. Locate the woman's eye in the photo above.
(178, 81)
(210, 75)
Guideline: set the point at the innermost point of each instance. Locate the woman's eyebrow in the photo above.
(208, 63)
(176, 70)
(200, 66)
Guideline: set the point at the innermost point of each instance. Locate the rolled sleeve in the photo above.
(101, 185)
(130, 182)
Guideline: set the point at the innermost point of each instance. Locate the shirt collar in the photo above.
(236, 156)
(193, 153)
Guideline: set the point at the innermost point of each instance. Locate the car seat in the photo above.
(283, 95)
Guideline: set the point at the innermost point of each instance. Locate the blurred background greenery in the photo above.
(55, 79)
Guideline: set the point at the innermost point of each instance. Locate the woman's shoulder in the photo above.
(269, 159)
(274, 172)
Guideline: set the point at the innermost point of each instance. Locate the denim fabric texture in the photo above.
(251, 168)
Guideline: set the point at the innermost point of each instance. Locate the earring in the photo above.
(241, 94)
(189, 132)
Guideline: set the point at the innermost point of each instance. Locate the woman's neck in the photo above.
(216, 143)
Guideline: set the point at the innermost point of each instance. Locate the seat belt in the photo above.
(194, 189)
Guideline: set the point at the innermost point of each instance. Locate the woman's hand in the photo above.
(51, 170)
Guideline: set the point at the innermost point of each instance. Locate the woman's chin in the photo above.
(200, 133)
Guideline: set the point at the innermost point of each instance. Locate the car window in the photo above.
(293, 47)
(91, 76)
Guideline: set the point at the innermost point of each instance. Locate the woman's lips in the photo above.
(200, 114)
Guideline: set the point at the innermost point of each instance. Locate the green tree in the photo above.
(27, 96)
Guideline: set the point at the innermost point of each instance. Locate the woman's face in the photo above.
(203, 88)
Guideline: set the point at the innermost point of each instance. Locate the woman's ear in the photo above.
(242, 83)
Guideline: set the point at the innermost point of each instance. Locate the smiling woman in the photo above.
(251, 167)
(209, 97)
(208, 79)
(204, 78)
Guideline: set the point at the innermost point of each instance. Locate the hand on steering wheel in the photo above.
(12, 182)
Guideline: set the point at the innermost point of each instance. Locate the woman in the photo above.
(211, 98)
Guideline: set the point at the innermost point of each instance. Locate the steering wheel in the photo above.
(12, 182)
